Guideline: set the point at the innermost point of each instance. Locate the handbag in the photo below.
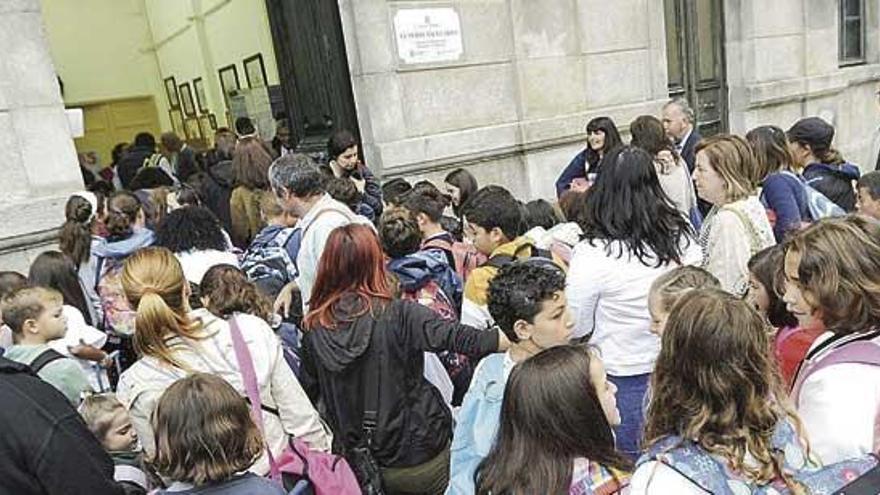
(323, 473)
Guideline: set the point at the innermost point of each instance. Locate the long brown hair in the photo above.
(203, 431)
(154, 284)
(839, 271)
(352, 265)
(772, 153)
(75, 239)
(229, 291)
(250, 164)
(122, 212)
(716, 383)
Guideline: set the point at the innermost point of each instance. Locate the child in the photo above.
(35, 316)
(556, 420)
(205, 437)
(668, 288)
(268, 262)
(108, 420)
(868, 198)
(527, 301)
(792, 340)
(9, 281)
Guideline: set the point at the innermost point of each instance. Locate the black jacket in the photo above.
(131, 162)
(45, 445)
(414, 424)
(689, 149)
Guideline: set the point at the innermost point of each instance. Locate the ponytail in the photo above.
(830, 157)
(122, 210)
(154, 322)
(76, 233)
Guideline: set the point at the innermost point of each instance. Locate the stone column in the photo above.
(38, 163)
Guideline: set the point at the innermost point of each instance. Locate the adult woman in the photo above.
(602, 137)
(250, 170)
(832, 273)
(194, 235)
(823, 165)
(717, 409)
(632, 235)
(737, 227)
(363, 356)
(782, 187)
(555, 434)
(648, 134)
(460, 185)
(345, 163)
(173, 341)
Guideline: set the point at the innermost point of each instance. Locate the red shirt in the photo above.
(791, 346)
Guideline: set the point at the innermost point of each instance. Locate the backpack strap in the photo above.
(45, 357)
(690, 461)
(858, 352)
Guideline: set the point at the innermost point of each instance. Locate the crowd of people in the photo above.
(692, 315)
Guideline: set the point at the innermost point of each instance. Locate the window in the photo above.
(852, 32)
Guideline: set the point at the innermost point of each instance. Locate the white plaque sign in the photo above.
(427, 36)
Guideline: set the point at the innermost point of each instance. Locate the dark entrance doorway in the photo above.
(695, 59)
(313, 69)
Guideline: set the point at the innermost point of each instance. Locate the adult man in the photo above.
(299, 186)
(678, 122)
(141, 154)
(181, 156)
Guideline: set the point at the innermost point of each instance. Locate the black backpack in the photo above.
(539, 256)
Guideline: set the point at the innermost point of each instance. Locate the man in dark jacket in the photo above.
(141, 153)
(678, 121)
(45, 446)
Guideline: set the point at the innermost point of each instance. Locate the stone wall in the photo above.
(36, 150)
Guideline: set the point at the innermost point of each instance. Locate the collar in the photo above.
(684, 139)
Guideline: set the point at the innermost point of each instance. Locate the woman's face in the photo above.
(758, 295)
(605, 390)
(596, 139)
(453, 192)
(710, 185)
(349, 158)
(796, 294)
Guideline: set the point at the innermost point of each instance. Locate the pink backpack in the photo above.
(325, 473)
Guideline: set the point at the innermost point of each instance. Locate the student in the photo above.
(868, 198)
(792, 340)
(174, 341)
(718, 421)
(549, 230)
(394, 190)
(632, 235)
(299, 186)
(345, 163)
(737, 226)
(250, 168)
(82, 341)
(36, 318)
(602, 137)
(345, 191)
(196, 238)
(555, 434)
(9, 281)
(832, 274)
(268, 261)
(668, 288)
(494, 223)
(205, 439)
(363, 349)
(460, 185)
(782, 187)
(75, 240)
(108, 420)
(527, 301)
(45, 446)
(824, 167)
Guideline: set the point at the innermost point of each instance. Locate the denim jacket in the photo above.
(477, 424)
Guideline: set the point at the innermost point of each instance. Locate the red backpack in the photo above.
(466, 256)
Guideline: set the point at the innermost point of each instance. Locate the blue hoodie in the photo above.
(835, 182)
(415, 270)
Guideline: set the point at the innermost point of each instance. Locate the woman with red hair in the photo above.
(363, 355)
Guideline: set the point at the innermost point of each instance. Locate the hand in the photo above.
(87, 352)
(360, 184)
(284, 300)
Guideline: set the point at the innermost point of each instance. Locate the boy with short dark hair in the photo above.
(527, 301)
(393, 190)
(34, 314)
(868, 197)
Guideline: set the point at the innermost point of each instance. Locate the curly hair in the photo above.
(518, 292)
(191, 228)
(229, 291)
(716, 383)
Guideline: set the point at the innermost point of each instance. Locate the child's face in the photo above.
(758, 295)
(552, 326)
(658, 315)
(605, 390)
(868, 205)
(121, 436)
(486, 241)
(795, 296)
(51, 324)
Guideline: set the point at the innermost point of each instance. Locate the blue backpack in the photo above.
(270, 260)
(712, 475)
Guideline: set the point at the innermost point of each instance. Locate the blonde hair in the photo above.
(98, 411)
(26, 303)
(203, 431)
(153, 282)
(733, 159)
(716, 383)
(668, 288)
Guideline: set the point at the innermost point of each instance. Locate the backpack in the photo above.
(119, 316)
(818, 204)
(466, 256)
(591, 478)
(712, 475)
(270, 260)
(539, 257)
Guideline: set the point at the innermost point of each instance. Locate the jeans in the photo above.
(630, 401)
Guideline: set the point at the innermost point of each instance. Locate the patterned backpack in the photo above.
(711, 474)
